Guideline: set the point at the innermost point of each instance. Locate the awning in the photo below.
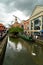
(41, 31)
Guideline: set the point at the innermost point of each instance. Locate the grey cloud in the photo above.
(26, 6)
(6, 1)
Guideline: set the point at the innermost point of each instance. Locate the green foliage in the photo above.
(15, 29)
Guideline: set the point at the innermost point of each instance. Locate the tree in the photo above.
(15, 30)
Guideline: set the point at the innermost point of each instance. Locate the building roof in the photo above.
(1, 24)
(26, 22)
(16, 24)
(2, 27)
(37, 10)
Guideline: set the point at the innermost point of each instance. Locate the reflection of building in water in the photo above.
(36, 50)
(37, 54)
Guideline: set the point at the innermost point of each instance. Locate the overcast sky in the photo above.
(20, 8)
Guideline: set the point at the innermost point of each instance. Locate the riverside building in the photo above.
(36, 21)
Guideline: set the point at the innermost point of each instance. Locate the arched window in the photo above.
(37, 24)
(37, 21)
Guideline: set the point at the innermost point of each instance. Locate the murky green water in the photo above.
(20, 52)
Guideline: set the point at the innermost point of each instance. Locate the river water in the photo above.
(20, 52)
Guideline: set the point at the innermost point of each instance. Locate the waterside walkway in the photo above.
(3, 44)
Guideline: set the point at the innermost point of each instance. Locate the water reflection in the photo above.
(19, 47)
(37, 54)
(15, 46)
(35, 49)
(20, 52)
(11, 44)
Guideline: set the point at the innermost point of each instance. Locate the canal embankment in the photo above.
(3, 44)
(38, 41)
(26, 37)
(31, 39)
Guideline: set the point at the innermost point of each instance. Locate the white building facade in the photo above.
(36, 21)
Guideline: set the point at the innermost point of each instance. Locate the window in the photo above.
(27, 28)
(36, 28)
(37, 24)
(22, 26)
(31, 25)
(36, 33)
(36, 21)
